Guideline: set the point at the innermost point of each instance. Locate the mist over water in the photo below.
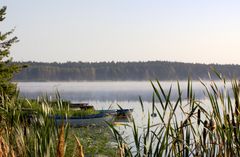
(106, 90)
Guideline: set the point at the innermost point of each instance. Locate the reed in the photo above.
(79, 148)
(61, 143)
(4, 149)
(206, 128)
(27, 131)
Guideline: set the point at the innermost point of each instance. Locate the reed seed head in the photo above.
(205, 132)
(205, 123)
(198, 116)
(212, 125)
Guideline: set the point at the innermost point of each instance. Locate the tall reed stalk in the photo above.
(205, 129)
(28, 131)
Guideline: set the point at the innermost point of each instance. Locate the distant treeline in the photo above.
(161, 70)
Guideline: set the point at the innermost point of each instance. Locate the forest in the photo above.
(120, 71)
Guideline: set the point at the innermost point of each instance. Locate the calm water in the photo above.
(102, 91)
(104, 95)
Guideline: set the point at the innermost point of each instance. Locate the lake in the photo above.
(110, 94)
(105, 94)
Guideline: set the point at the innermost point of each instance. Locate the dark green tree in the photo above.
(7, 68)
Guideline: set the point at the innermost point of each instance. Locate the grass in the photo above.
(95, 141)
(75, 113)
(26, 129)
(204, 129)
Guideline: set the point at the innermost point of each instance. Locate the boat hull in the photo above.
(79, 122)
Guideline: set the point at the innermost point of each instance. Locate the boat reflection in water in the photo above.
(100, 119)
(79, 121)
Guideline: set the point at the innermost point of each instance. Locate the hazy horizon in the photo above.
(62, 62)
(205, 32)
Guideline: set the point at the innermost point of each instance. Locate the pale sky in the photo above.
(195, 31)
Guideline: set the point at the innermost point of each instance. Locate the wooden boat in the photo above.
(78, 121)
(81, 106)
(124, 113)
(118, 113)
(110, 112)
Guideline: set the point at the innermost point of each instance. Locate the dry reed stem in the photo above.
(121, 152)
(61, 143)
(80, 148)
(1, 152)
(12, 153)
(4, 149)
